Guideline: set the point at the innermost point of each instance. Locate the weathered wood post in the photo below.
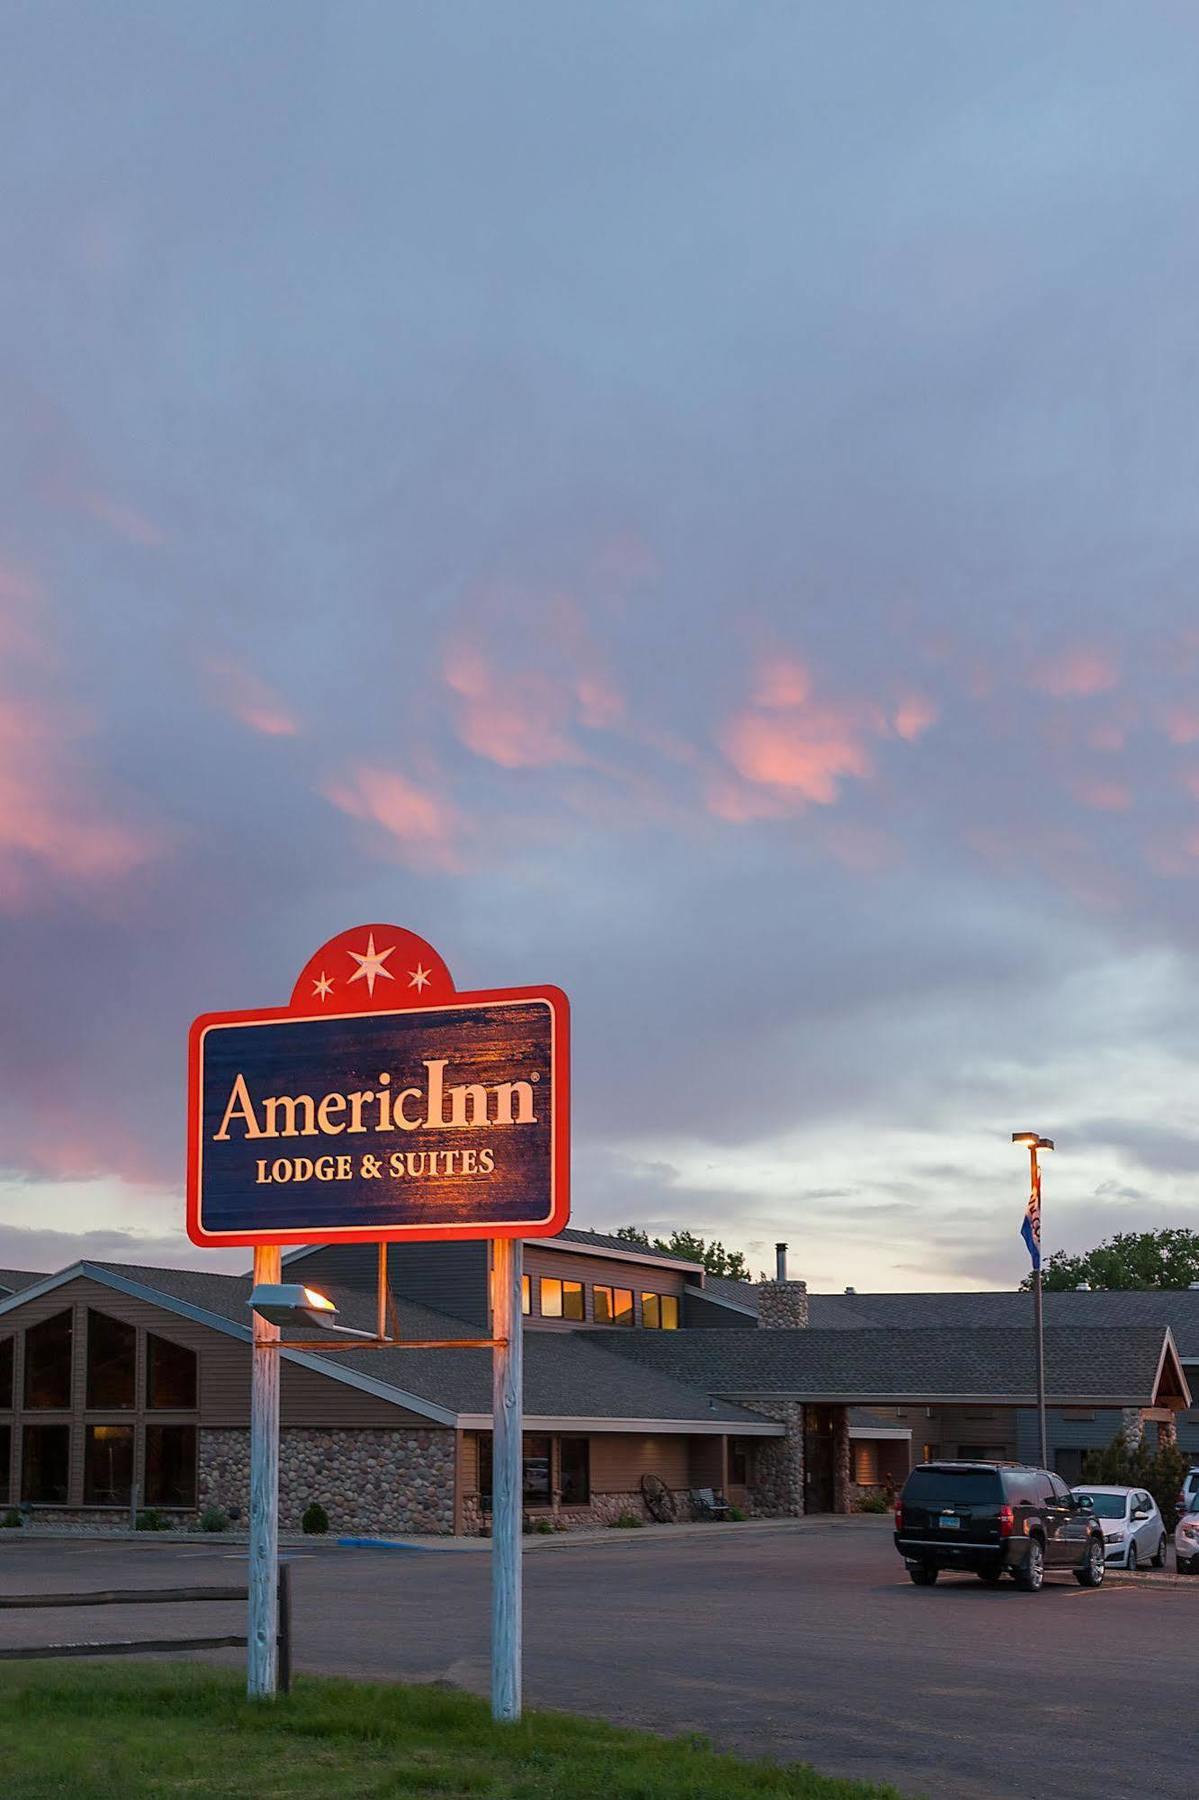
(507, 1463)
(263, 1629)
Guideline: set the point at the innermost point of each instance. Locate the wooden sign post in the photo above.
(263, 1631)
(383, 1106)
(507, 1478)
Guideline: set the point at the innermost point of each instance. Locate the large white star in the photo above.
(370, 966)
(419, 978)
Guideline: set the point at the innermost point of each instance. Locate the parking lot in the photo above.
(804, 1642)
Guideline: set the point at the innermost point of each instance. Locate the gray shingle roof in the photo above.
(873, 1367)
(1177, 1308)
(11, 1280)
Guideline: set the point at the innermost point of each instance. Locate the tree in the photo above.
(1131, 1259)
(711, 1256)
(1161, 1471)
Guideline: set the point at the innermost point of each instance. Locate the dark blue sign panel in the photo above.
(445, 1121)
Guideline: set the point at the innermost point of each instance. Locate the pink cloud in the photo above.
(251, 701)
(808, 752)
(1181, 724)
(784, 681)
(421, 824)
(914, 716)
(1104, 796)
(1075, 674)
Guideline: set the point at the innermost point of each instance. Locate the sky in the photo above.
(691, 502)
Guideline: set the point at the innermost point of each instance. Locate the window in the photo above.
(612, 1306)
(48, 1362)
(46, 1464)
(574, 1470)
(1060, 1491)
(660, 1312)
(108, 1465)
(170, 1465)
(535, 1483)
(6, 1345)
(5, 1462)
(526, 1295)
(561, 1299)
(170, 1374)
(111, 1362)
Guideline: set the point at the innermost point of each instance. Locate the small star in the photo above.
(324, 987)
(420, 978)
(370, 966)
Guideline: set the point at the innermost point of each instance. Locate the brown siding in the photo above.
(619, 1460)
(590, 1270)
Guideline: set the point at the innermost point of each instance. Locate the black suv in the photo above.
(995, 1519)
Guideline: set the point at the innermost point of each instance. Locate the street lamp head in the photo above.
(1044, 1143)
(291, 1303)
(1026, 1137)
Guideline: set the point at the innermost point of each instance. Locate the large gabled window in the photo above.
(170, 1375)
(48, 1362)
(6, 1361)
(111, 1363)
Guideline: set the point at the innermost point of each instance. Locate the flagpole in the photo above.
(1039, 1314)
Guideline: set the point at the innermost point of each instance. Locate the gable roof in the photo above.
(13, 1279)
(903, 1367)
(1177, 1308)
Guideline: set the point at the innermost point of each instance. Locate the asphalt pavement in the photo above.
(802, 1642)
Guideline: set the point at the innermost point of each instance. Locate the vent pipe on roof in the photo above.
(780, 1262)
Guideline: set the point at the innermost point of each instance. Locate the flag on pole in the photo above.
(1030, 1231)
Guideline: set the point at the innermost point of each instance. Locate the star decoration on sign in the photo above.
(420, 978)
(322, 988)
(370, 966)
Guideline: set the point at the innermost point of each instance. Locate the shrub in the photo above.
(315, 1521)
(735, 1513)
(628, 1521)
(214, 1518)
(152, 1520)
(12, 1520)
(873, 1503)
(1162, 1471)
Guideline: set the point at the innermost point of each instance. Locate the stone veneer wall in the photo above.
(777, 1490)
(603, 1509)
(783, 1305)
(369, 1481)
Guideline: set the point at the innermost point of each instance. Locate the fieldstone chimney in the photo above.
(782, 1304)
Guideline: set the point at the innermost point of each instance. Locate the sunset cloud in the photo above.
(250, 701)
(1076, 674)
(422, 826)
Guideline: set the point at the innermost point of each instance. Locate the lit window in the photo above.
(48, 1362)
(108, 1465)
(613, 1306)
(660, 1312)
(111, 1363)
(526, 1293)
(170, 1465)
(170, 1375)
(561, 1299)
(45, 1464)
(670, 1312)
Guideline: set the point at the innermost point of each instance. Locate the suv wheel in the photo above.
(923, 1574)
(1031, 1572)
(1091, 1573)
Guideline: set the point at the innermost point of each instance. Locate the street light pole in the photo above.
(1036, 1144)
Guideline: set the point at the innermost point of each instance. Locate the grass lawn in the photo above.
(131, 1729)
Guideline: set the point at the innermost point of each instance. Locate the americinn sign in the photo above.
(380, 1105)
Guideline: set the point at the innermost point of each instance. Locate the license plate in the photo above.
(950, 1523)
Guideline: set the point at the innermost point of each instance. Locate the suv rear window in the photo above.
(958, 1487)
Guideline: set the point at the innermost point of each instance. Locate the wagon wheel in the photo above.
(659, 1499)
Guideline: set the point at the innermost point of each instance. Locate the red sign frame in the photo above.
(372, 947)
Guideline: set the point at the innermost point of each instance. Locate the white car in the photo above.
(1186, 1543)
(1133, 1529)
